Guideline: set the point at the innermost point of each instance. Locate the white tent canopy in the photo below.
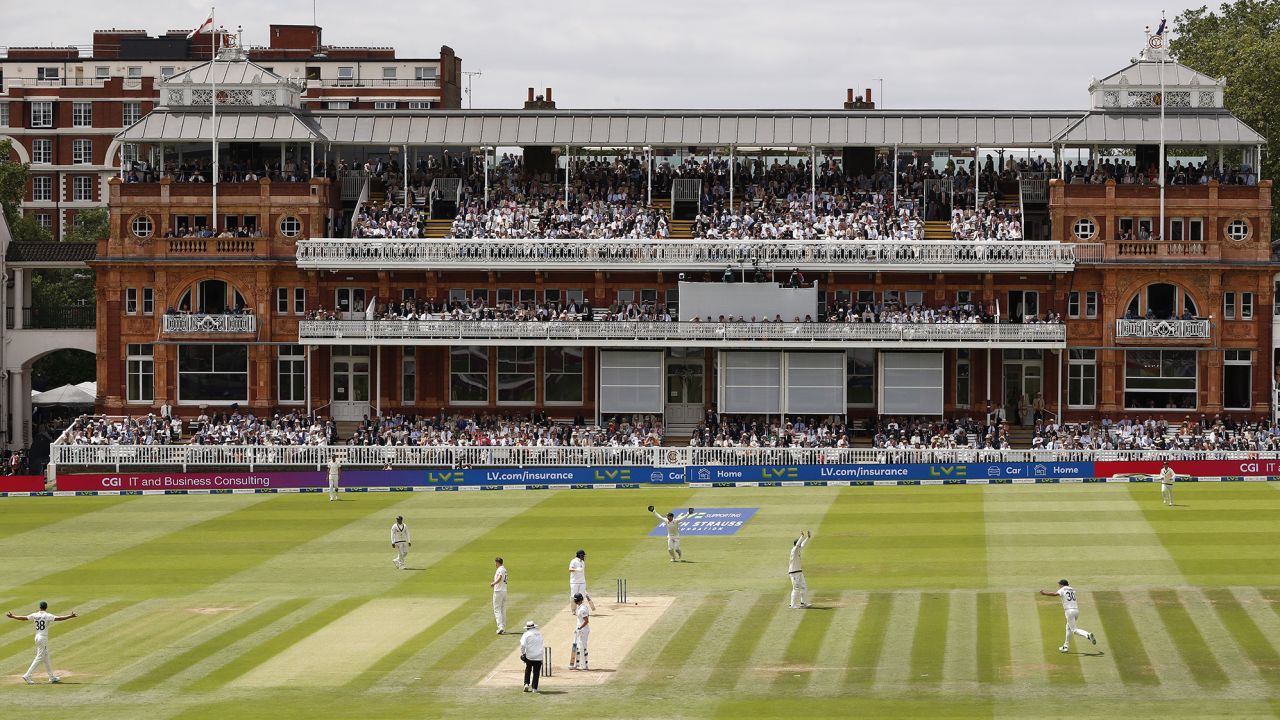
(65, 396)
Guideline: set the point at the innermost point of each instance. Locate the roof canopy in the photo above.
(233, 126)
(1128, 128)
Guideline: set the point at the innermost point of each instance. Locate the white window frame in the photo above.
(48, 72)
(41, 188)
(140, 364)
(424, 73)
(388, 72)
(1246, 306)
(102, 72)
(1237, 230)
(489, 368)
(148, 301)
(4, 114)
(1091, 304)
(82, 151)
(420, 104)
(82, 188)
(338, 105)
(41, 114)
(1087, 364)
(1073, 304)
(131, 301)
(1085, 224)
(134, 72)
(282, 300)
(81, 114)
(44, 220)
(1195, 229)
(291, 362)
(130, 112)
(299, 301)
(1229, 305)
(385, 105)
(1232, 358)
(408, 375)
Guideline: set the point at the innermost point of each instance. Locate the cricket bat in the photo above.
(573, 655)
(592, 603)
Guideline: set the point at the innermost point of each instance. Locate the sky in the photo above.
(797, 54)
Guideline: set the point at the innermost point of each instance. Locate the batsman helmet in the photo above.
(577, 597)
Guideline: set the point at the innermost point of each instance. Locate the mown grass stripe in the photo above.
(685, 639)
(1188, 640)
(868, 640)
(1246, 633)
(992, 646)
(1064, 668)
(736, 655)
(1124, 644)
(401, 654)
(929, 645)
(25, 643)
(275, 645)
(802, 651)
(1272, 596)
(243, 628)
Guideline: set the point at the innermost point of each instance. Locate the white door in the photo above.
(685, 387)
(350, 384)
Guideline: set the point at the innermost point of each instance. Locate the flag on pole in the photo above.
(205, 26)
(1160, 30)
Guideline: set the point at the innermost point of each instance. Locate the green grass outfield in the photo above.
(287, 606)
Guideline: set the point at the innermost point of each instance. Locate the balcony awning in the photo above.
(1180, 128)
(676, 128)
(232, 127)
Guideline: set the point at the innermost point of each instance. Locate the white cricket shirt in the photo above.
(399, 533)
(794, 565)
(577, 571)
(672, 526)
(583, 613)
(42, 620)
(500, 577)
(1068, 595)
(1166, 476)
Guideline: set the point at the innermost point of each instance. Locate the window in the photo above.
(102, 72)
(338, 105)
(1085, 229)
(469, 375)
(1176, 230)
(42, 114)
(388, 73)
(290, 226)
(1073, 304)
(1091, 304)
(41, 152)
(140, 368)
(131, 112)
(350, 300)
(384, 105)
(562, 382)
(167, 71)
(423, 72)
(457, 295)
(211, 297)
(506, 296)
(81, 114)
(346, 75)
(81, 152)
(1246, 306)
(408, 376)
(299, 301)
(526, 296)
(1195, 229)
(41, 187)
(552, 295)
(282, 300)
(1161, 303)
(44, 220)
(914, 297)
(148, 301)
(673, 302)
(419, 104)
(575, 296)
(1082, 378)
(1229, 306)
(4, 114)
(1237, 230)
(134, 72)
(964, 297)
(1160, 379)
(48, 74)
(861, 376)
(1237, 379)
(141, 226)
(82, 188)
(516, 381)
(213, 373)
(964, 383)
(131, 301)
(892, 297)
(291, 374)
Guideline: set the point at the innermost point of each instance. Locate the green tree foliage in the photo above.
(60, 288)
(63, 367)
(89, 226)
(1241, 42)
(13, 182)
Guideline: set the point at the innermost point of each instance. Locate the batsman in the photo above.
(672, 525)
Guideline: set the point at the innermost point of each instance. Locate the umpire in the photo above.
(531, 646)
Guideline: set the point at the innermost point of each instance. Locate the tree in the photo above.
(13, 182)
(1241, 42)
(89, 226)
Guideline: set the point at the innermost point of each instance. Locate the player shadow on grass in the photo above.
(1094, 654)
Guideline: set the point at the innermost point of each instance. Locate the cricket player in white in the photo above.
(400, 541)
(581, 631)
(42, 619)
(1167, 476)
(335, 469)
(796, 572)
(577, 577)
(672, 525)
(1072, 610)
(499, 586)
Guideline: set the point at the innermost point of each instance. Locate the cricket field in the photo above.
(925, 604)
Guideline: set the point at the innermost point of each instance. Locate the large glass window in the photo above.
(408, 376)
(1160, 301)
(82, 188)
(1160, 379)
(213, 373)
(291, 374)
(81, 114)
(41, 114)
(41, 187)
(81, 152)
(1082, 379)
(1237, 379)
(563, 375)
(131, 112)
(140, 368)
(469, 374)
(861, 366)
(211, 297)
(964, 382)
(41, 152)
(517, 382)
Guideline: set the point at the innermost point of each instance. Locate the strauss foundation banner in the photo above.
(192, 481)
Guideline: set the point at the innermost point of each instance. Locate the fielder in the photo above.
(42, 619)
(672, 525)
(335, 468)
(1167, 476)
(796, 572)
(1072, 610)
(578, 579)
(581, 631)
(400, 541)
(499, 586)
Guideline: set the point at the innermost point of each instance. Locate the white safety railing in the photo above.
(453, 332)
(186, 456)
(1163, 329)
(950, 256)
(199, 324)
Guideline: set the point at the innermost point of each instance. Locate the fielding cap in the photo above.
(1063, 582)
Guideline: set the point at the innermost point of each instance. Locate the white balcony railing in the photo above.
(209, 324)
(944, 256)
(1164, 329)
(316, 456)
(786, 334)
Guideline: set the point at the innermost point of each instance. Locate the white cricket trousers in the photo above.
(580, 639)
(42, 656)
(574, 589)
(1072, 617)
(500, 608)
(402, 551)
(798, 589)
(673, 547)
(1166, 493)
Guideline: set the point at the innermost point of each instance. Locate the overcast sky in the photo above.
(996, 54)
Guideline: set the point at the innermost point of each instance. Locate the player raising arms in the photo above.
(672, 524)
(1072, 610)
(42, 619)
(795, 570)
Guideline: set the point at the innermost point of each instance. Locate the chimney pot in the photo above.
(868, 95)
(549, 98)
(530, 94)
(850, 95)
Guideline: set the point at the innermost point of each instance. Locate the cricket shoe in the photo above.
(28, 680)
(584, 667)
(1093, 639)
(1064, 648)
(526, 688)
(534, 691)
(55, 680)
(502, 631)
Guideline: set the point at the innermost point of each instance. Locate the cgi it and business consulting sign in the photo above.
(708, 521)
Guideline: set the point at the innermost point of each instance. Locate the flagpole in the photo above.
(213, 124)
(1162, 52)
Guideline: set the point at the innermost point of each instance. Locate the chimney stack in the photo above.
(540, 102)
(858, 102)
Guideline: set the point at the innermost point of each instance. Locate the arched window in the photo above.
(211, 297)
(1161, 301)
